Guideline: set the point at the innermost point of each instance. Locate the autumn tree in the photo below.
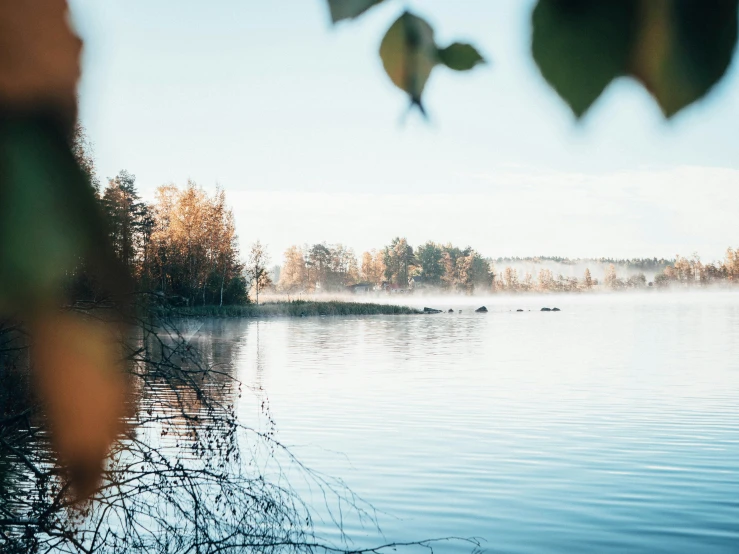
(162, 238)
(192, 236)
(194, 248)
(587, 280)
(294, 274)
(367, 267)
(257, 269)
(683, 270)
(223, 249)
(464, 270)
(731, 264)
(184, 234)
(373, 267)
(527, 284)
(545, 280)
(449, 257)
(611, 279)
(510, 279)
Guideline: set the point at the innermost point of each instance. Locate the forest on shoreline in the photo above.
(183, 248)
(446, 269)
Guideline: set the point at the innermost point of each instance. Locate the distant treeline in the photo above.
(687, 272)
(398, 267)
(652, 265)
(183, 247)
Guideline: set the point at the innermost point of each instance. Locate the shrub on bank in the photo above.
(294, 308)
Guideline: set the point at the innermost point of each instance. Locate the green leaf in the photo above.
(684, 49)
(409, 53)
(460, 56)
(580, 46)
(678, 49)
(49, 218)
(349, 9)
(40, 240)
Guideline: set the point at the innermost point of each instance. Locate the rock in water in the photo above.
(519, 310)
(431, 311)
(546, 309)
(481, 310)
(556, 310)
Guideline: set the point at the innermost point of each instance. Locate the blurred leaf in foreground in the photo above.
(80, 382)
(43, 224)
(677, 48)
(580, 46)
(39, 59)
(42, 230)
(684, 48)
(50, 226)
(409, 53)
(349, 9)
(50, 221)
(460, 56)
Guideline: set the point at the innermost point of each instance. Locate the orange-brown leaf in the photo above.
(39, 58)
(81, 384)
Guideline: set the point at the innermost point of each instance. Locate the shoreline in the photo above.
(293, 308)
(316, 308)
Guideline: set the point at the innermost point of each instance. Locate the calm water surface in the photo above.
(610, 426)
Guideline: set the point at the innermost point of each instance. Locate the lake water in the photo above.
(610, 426)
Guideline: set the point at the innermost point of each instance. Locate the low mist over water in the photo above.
(610, 426)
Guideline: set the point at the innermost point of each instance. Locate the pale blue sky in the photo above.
(298, 122)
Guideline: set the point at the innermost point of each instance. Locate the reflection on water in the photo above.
(610, 426)
(185, 477)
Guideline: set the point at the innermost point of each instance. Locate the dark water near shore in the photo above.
(610, 426)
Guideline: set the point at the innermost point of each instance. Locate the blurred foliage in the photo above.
(77, 362)
(678, 49)
(580, 47)
(409, 54)
(49, 220)
(50, 227)
(683, 49)
(349, 9)
(39, 61)
(460, 56)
